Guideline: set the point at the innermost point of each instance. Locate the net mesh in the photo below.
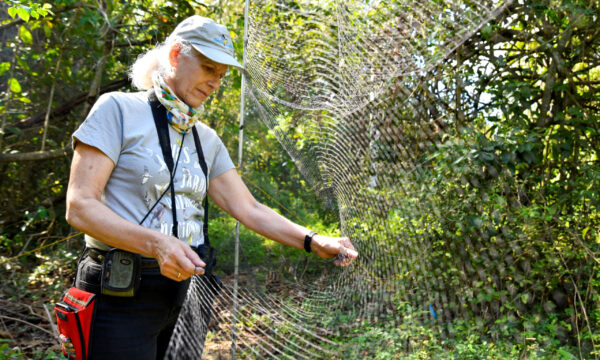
(345, 87)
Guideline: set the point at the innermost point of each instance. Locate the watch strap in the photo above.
(307, 240)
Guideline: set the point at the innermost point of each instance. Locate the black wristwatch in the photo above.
(307, 240)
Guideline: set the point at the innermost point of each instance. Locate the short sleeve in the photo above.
(221, 162)
(103, 128)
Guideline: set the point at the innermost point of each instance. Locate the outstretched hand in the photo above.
(339, 248)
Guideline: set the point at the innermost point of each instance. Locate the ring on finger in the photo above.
(178, 275)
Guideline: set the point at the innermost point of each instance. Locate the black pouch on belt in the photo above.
(121, 273)
(208, 254)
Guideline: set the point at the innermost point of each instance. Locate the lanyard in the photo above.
(159, 112)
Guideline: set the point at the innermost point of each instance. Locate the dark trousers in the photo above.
(136, 327)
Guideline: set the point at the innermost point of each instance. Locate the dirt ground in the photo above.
(27, 321)
(25, 326)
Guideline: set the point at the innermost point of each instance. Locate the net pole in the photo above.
(237, 224)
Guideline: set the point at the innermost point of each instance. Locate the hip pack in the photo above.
(74, 317)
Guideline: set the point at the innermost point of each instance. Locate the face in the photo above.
(194, 77)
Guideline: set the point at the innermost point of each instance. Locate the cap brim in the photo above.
(218, 56)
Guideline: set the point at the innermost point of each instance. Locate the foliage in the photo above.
(8, 353)
(78, 50)
(493, 213)
(412, 340)
(27, 10)
(503, 199)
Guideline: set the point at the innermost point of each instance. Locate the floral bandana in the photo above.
(181, 116)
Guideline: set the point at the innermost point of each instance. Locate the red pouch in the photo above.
(74, 316)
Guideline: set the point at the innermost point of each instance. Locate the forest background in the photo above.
(542, 102)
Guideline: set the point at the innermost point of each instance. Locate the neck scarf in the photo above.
(180, 115)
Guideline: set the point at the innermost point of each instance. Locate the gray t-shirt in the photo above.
(121, 125)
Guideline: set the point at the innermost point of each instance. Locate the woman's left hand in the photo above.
(339, 248)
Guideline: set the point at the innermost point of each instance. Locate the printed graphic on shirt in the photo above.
(190, 188)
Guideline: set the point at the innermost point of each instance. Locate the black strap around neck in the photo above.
(202, 162)
(159, 113)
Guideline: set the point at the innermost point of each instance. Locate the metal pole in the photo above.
(237, 225)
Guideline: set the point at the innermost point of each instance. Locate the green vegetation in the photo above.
(7, 353)
(505, 202)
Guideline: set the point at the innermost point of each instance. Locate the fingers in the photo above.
(179, 262)
(199, 270)
(181, 273)
(340, 249)
(342, 258)
(187, 268)
(177, 270)
(193, 256)
(182, 270)
(348, 244)
(346, 253)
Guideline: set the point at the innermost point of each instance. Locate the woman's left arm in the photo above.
(230, 193)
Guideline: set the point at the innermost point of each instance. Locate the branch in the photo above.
(54, 329)
(109, 40)
(584, 83)
(27, 323)
(35, 155)
(11, 24)
(66, 107)
(135, 43)
(49, 108)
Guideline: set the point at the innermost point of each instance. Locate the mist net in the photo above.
(344, 86)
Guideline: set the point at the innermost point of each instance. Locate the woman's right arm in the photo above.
(90, 171)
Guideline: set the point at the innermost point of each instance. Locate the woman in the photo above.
(122, 194)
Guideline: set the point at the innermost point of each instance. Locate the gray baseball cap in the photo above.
(209, 38)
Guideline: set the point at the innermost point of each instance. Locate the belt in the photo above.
(98, 256)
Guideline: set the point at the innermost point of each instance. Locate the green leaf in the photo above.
(486, 32)
(4, 67)
(25, 35)
(47, 30)
(506, 157)
(529, 157)
(25, 100)
(475, 221)
(584, 232)
(23, 64)
(487, 156)
(34, 14)
(15, 130)
(14, 85)
(23, 14)
(12, 11)
(566, 354)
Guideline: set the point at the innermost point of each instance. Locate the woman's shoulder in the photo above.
(119, 108)
(124, 98)
(205, 130)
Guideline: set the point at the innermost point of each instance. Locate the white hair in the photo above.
(155, 60)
